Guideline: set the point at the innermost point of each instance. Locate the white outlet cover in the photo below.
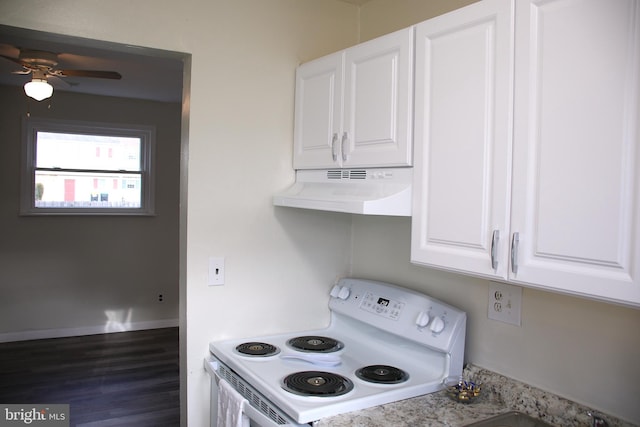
(505, 303)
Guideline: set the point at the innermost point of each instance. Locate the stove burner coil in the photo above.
(317, 383)
(257, 349)
(317, 344)
(382, 374)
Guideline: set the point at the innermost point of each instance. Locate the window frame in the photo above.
(30, 128)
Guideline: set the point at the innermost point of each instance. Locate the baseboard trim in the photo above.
(87, 330)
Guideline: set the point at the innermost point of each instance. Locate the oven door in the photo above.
(260, 411)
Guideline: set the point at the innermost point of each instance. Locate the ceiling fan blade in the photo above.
(16, 60)
(59, 82)
(90, 73)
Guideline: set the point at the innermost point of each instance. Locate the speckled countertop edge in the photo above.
(500, 394)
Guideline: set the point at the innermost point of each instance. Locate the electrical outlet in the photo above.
(505, 303)
(160, 298)
(216, 271)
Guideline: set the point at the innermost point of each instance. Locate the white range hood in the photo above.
(383, 191)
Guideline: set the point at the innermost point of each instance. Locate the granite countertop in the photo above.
(500, 394)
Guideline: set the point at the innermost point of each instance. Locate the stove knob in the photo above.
(344, 293)
(437, 325)
(423, 319)
(335, 291)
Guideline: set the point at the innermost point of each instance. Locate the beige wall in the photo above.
(378, 17)
(68, 275)
(280, 262)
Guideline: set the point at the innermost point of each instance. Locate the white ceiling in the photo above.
(146, 73)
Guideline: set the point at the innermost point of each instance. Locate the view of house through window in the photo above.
(78, 168)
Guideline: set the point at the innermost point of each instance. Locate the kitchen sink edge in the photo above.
(510, 419)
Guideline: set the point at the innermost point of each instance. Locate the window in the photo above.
(80, 168)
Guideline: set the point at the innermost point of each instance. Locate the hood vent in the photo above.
(347, 174)
(383, 191)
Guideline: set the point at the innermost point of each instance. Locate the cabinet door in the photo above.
(318, 112)
(576, 186)
(463, 139)
(378, 102)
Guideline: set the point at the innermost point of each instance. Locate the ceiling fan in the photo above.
(42, 65)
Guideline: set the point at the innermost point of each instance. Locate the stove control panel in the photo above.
(399, 311)
(381, 306)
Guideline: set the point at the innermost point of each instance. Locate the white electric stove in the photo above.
(384, 343)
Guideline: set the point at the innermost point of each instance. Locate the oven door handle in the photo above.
(211, 366)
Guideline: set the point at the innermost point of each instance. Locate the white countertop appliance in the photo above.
(384, 343)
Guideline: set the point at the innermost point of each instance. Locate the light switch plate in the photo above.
(505, 303)
(216, 271)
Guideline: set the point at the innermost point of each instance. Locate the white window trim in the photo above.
(32, 125)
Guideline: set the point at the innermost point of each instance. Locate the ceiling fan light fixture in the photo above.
(38, 89)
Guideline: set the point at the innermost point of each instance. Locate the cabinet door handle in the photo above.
(343, 148)
(334, 155)
(515, 240)
(494, 245)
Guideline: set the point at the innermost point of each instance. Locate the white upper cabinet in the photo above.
(354, 108)
(576, 163)
(555, 178)
(462, 173)
(318, 112)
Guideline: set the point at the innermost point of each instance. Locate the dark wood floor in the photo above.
(121, 379)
